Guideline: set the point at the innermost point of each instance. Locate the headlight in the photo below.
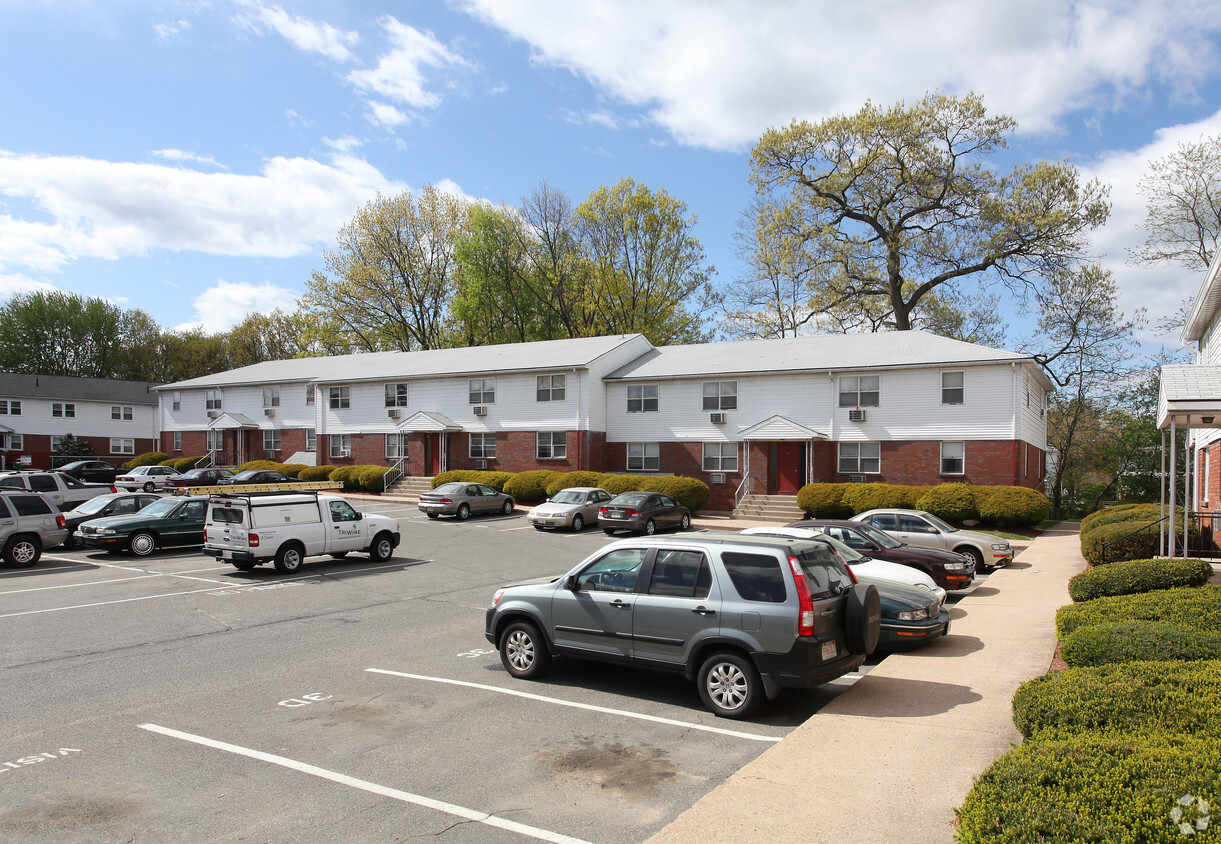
(914, 615)
(956, 566)
(106, 531)
(1000, 546)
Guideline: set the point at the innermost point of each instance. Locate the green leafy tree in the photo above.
(70, 446)
(890, 206)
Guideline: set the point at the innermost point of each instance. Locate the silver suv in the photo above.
(29, 522)
(742, 616)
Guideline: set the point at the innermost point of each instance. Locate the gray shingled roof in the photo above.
(1191, 382)
(19, 385)
(818, 353)
(382, 366)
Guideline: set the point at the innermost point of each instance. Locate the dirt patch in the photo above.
(69, 814)
(632, 772)
(1057, 664)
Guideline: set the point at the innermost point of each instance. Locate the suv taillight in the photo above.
(805, 602)
(252, 540)
(60, 522)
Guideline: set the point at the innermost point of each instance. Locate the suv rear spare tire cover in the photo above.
(863, 619)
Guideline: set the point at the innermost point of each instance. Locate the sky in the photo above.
(195, 159)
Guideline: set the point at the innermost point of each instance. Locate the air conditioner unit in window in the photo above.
(393, 413)
(345, 452)
(269, 412)
(212, 414)
(857, 415)
(856, 479)
(717, 418)
(716, 477)
(481, 410)
(481, 464)
(270, 455)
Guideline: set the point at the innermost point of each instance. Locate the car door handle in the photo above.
(621, 604)
(703, 611)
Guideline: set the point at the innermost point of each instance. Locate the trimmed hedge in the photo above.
(496, 480)
(1178, 697)
(862, 497)
(1129, 641)
(1139, 513)
(316, 473)
(1002, 506)
(824, 501)
(1130, 577)
(567, 479)
(1092, 788)
(952, 502)
(259, 464)
(293, 470)
(1195, 608)
(148, 458)
(530, 487)
(1127, 540)
(1011, 506)
(182, 464)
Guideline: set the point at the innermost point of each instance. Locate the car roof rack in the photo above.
(248, 489)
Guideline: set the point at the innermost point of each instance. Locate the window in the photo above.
(341, 444)
(952, 387)
(552, 444)
(953, 458)
(860, 458)
(720, 457)
(682, 574)
(10, 408)
(641, 397)
(271, 440)
(341, 511)
(62, 410)
(720, 395)
(396, 395)
(14, 442)
(176, 402)
(615, 572)
(271, 396)
(482, 390)
(309, 394)
(30, 505)
(756, 577)
(178, 441)
(643, 457)
(213, 400)
(339, 398)
(216, 439)
(43, 483)
(549, 388)
(120, 412)
(56, 442)
(311, 439)
(396, 445)
(483, 446)
(122, 445)
(858, 391)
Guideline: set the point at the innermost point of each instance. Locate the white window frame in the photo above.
(311, 439)
(10, 408)
(63, 410)
(549, 388)
(214, 400)
(341, 443)
(551, 445)
(643, 457)
(178, 441)
(860, 390)
(216, 439)
(481, 391)
(948, 391)
(396, 445)
(719, 457)
(271, 397)
(396, 394)
(271, 439)
(122, 445)
(309, 394)
(121, 412)
(478, 446)
(720, 395)
(643, 398)
(176, 401)
(865, 457)
(57, 440)
(339, 397)
(948, 459)
(14, 442)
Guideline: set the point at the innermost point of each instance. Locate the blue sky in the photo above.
(194, 159)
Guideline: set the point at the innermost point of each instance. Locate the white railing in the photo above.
(742, 491)
(397, 464)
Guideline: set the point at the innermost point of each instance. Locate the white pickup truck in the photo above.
(250, 528)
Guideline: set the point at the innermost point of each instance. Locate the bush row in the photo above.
(1134, 576)
(1001, 506)
(1197, 609)
(148, 458)
(536, 485)
(360, 478)
(1127, 532)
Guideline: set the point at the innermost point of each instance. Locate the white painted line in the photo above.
(507, 530)
(372, 788)
(592, 708)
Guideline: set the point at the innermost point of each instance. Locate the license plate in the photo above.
(616, 515)
(226, 555)
(829, 651)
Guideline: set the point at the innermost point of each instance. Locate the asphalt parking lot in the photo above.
(174, 698)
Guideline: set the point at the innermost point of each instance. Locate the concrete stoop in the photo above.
(769, 508)
(408, 488)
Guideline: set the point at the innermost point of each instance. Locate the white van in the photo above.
(250, 528)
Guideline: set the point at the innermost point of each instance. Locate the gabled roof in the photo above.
(425, 421)
(231, 421)
(540, 356)
(780, 428)
(1207, 303)
(818, 353)
(1190, 394)
(19, 385)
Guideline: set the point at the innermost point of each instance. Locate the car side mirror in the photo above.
(360, 516)
(934, 531)
(570, 583)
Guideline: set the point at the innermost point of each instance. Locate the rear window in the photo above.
(227, 516)
(757, 577)
(682, 574)
(826, 574)
(29, 505)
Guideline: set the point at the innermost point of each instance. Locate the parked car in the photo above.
(743, 616)
(950, 569)
(147, 478)
(166, 523)
(916, 527)
(574, 508)
(114, 504)
(256, 476)
(643, 512)
(197, 477)
(911, 616)
(91, 471)
(29, 522)
(463, 500)
(64, 491)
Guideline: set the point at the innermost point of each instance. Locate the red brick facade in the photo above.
(38, 448)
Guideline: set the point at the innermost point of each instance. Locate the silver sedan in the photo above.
(463, 499)
(574, 507)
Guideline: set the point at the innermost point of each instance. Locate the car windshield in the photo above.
(937, 523)
(93, 505)
(450, 489)
(879, 536)
(629, 499)
(160, 508)
(568, 497)
(849, 554)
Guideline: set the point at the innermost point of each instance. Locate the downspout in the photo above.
(1015, 427)
(1188, 474)
(576, 374)
(1174, 462)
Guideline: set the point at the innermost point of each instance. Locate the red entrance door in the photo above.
(789, 467)
(432, 454)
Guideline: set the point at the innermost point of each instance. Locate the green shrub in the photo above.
(1132, 576)
(570, 479)
(692, 493)
(182, 464)
(1128, 641)
(375, 478)
(496, 480)
(1180, 697)
(1090, 521)
(861, 497)
(907, 496)
(293, 470)
(824, 501)
(530, 487)
(952, 502)
(349, 476)
(316, 473)
(1092, 788)
(1137, 514)
(260, 464)
(1126, 540)
(1194, 608)
(148, 458)
(1011, 506)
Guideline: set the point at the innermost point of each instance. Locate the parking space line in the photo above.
(588, 706)
(372, 788)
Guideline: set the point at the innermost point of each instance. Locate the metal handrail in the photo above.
(1188, 517)
(210, 459)
(738, 494)
(397, 464)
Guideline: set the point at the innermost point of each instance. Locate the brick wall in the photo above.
(38, 448)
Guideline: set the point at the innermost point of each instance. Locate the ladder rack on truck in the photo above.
(238, 489)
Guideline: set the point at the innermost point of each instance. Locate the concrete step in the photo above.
(779, 508)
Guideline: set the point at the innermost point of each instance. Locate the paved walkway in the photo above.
(891, 758)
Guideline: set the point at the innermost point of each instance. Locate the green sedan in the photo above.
(166, 523)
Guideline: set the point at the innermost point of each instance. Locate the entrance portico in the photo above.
(432, 432)
(779, 458)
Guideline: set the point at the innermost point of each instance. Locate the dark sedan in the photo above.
(642, 512)
(166, 523)
(114, 504)
(256, 476)
(948, 569)
(91, 471)
(911, 616)
(197, 477)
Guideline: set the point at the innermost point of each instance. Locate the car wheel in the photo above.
(433, 515)
(577, 522)
(21, 552)
(685, 523)
(730, 686)
(523, 652)
(150, 486)
(650, 527)
(244, 565)
(974, 554)
(863, 619)
(289, 558)
(464, 512)
(608, 531)
(142, 544)
(382, 548)
(507, 508)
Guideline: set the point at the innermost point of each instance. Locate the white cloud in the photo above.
(399, 74)
(386, 115)
(227, 303)
(182, 155)
(166, 31)
(345, 144)
(11, 285)
(304, 34)
(716, 75)
(103, 209)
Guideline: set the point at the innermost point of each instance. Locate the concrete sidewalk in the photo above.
(891, 758)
